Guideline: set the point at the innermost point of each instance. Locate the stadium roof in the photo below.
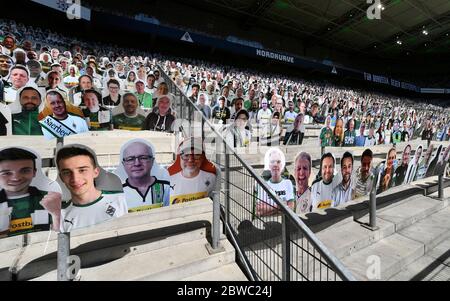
(420, 26)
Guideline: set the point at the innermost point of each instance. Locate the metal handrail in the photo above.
(334, 262)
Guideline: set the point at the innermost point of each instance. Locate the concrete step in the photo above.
(32, 264)
(130, 223)
(229, 272)
(410, 211)
(435, 265)
(394, 253)
(430, 231)
(172, 263)
(148, 230)
(346, 239)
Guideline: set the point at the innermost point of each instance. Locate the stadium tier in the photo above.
(247, 174)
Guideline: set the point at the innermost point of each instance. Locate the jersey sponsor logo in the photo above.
(129, 128)
(324, 204)
(110, 210)
(20, 224)
(187, 197)
(56, 128)
(144, 208)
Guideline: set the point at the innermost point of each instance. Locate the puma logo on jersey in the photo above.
(70, 222)
(172, 186)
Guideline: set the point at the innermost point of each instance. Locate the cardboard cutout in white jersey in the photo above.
(111, 203)
(157, 195)
(105, 180)
(35, 210)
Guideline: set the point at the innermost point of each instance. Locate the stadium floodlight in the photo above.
(399, 42)
(425, 32)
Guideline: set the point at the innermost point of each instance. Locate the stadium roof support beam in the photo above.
(416, 31)
(424, 10)
(323, 37)
(256, 10)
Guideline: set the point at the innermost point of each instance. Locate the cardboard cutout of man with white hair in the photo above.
(145, 184)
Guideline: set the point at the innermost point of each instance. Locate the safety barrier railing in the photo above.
(275, 247)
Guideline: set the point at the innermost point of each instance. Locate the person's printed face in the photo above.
(291, 106)
(30, 100)
(16, 176)
(63, 64)
(89, 71)
(46, 58)
(31, 55)
(303, 171)
(58, 69)
(19, 78)
(150, 80)
(191, 161)
(20, 57)
(366, 165)
(362, 128)
(391, 157)
(163, 105)
(57, 105)
(72, 71)
(78, 174)
(195, 90)
(132, 78)
(406, 155)
(5, 64)
(163, 89)
(302, 108)
(241, 120)
(255, 105)
(275, 119)
(418, 153)
(328, 122)
(140, 87)
(54, 80)
(327, 169)
(371, 132)
(275, 164)
(346, 169)
(35, 70)
(55, 53)
(85, 83)
(156, 74)
(201, 99)
(339, 126)
(137, 161)
(91, 101)
(8, 42)
(130, 105)
(238, 105)
(264, 105)
(351, 125)
(279, 105)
